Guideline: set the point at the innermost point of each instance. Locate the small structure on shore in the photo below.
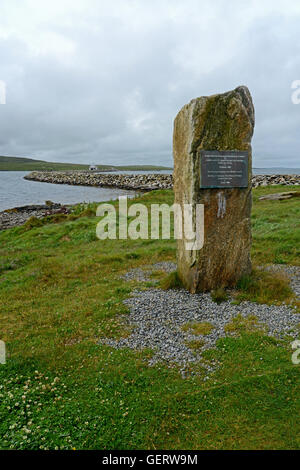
(93, 168)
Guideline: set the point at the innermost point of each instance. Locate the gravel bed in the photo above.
(166, 266)
(157, 318)
(137, 274)
(143, 274)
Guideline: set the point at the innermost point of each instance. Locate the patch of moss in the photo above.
(156, 275)
(203, 328)
(172, 281)
(217, 128)
(241, 324)
(132, 255)
(72, 217)
(195, 345)
(31, 223)
(265, 287)
(114, 328)
(55, 218)
(219, 296)
(88, 213)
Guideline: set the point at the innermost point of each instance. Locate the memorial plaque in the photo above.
(228, 169)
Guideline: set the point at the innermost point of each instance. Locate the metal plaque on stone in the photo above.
(228, 169)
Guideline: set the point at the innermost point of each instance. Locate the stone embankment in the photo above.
(144, 182)
(266, 180)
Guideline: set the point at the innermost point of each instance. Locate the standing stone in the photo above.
(222, 122)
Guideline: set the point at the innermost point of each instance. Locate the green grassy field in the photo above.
(60, 290)
(28, 164)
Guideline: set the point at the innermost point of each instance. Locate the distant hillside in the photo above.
(28, 164)
(24, 164)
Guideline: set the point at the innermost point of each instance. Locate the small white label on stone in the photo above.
(2, 353)
(221, 205)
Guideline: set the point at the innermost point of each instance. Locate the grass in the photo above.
(241, 324)
(265, 287)
(198, 328)
(276, 228)
(172, 281)
(195, 345)
(219, 295)
(60, 291)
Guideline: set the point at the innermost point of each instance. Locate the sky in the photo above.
(96, 81)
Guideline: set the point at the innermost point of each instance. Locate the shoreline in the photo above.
(141, 182)
(17, 216)
(145, 182)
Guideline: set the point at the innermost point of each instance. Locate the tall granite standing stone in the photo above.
(216, 123)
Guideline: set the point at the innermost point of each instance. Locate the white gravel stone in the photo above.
(157, 317)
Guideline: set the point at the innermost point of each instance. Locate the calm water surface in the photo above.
(15, 191)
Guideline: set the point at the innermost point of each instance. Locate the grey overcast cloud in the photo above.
(102, 81)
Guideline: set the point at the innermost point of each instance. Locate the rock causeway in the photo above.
(143, 182)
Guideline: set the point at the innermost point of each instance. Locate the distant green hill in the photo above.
(29, 164)
(24, 164)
